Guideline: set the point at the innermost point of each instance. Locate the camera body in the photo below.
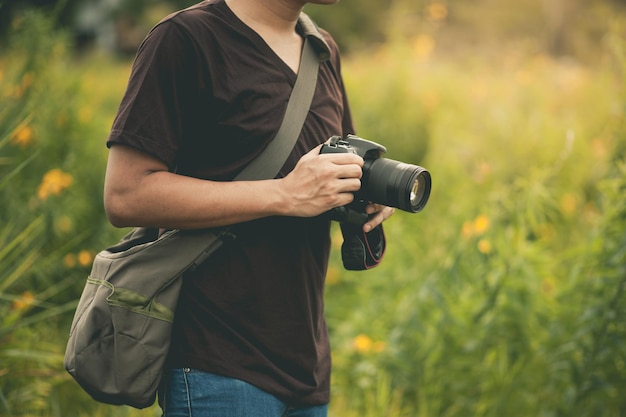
(384, 181)
(366, 149)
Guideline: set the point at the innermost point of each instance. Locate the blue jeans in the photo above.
(192, 393)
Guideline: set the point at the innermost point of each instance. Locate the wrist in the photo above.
(280, 200)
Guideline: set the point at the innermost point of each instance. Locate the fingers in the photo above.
(342, 159)
(342, 171)
(381, 213)
(320, 182)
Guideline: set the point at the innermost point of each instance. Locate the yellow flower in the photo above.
(483, 171)
(600, 148)
(84, 258)
(69, 260)
(85, 114)
(430, 100)
(484, 246)
(53, 183)
(524, 77)
(479, 90)
(379, 346)
(467, 230)
(64, 224)
(481, 224)
(569, 204)
(423, 46)
(23, 136)
(27, 80)
(25, 300)
(437, 11)
(362, 343)
(476, 227)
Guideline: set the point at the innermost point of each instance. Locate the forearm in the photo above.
(167, 200)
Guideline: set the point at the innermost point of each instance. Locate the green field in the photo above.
(504, 297)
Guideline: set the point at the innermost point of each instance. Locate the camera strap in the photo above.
(269, 162)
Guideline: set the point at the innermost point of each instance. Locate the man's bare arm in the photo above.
(139, 191)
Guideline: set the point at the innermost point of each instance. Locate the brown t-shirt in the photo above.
(206, 95)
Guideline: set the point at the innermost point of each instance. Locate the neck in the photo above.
(277, 16)
(275, 21)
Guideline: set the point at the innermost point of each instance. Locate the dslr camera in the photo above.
(384, 181)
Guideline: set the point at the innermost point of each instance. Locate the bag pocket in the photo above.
(114, 352)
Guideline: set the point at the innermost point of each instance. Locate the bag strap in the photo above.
(269, 162)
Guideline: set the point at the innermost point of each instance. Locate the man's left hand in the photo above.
(378, 214)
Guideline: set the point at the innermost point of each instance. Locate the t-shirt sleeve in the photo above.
(151, 115)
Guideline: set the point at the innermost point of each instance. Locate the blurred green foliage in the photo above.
(51, 176)
(505, 296)
(562, 27)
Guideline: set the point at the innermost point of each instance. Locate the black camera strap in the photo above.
(269, 162)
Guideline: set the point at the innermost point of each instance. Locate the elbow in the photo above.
(118, 211)
(126, 200)
(117, 221)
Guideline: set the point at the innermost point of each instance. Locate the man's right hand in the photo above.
(319, 183)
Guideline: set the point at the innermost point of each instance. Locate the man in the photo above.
(207, 93)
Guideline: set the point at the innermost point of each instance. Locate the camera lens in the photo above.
(396, 184)
(420, 190)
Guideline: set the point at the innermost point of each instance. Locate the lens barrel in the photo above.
(396, 184)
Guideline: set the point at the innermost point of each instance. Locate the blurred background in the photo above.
(504, 297)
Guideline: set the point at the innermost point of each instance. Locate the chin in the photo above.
(322, 1)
